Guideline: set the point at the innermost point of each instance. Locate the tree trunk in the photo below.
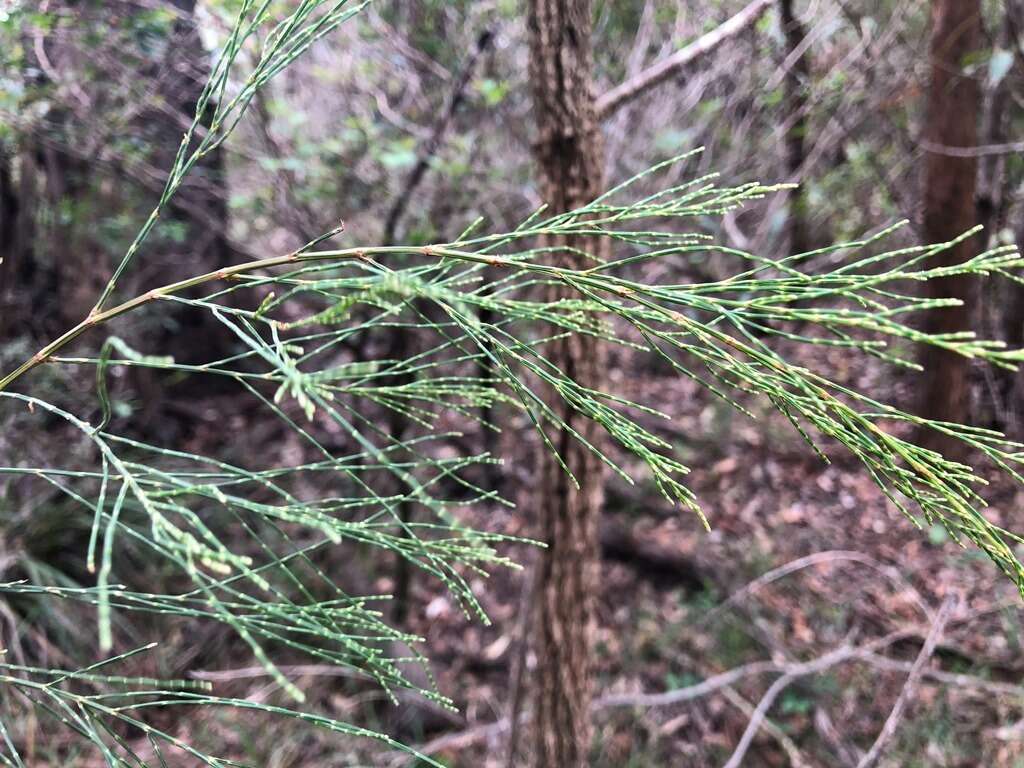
(568, 154)
(1013, 334)
(1002, 300)
(796, 86)
(949, 206)
(14, 213)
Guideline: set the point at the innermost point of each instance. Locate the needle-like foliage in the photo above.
(244, 539)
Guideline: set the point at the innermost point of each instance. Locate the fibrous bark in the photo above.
(797, 83)
(949, 206)
(569, 159)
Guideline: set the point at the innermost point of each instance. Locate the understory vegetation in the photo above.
(268, 479)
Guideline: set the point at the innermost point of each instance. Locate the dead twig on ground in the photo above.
(910, 687)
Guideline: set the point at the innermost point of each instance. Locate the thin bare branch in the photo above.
(984, 150)
(661, 71)
(818, 558)
(910, 687)
(433, 143)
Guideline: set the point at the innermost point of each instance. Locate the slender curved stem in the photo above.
(98, 318)
(348, 254)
